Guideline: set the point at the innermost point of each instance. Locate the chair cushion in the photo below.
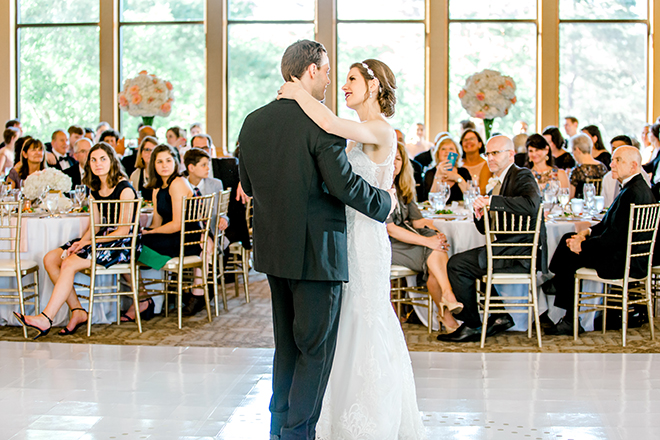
(591, 274)
(115, 268)
(10, 265)
(400, 272)
(174, 262)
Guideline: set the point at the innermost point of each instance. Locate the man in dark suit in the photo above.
(603, 247)
(301, 181)
(59, 156)
(514, 190)
(80, 152)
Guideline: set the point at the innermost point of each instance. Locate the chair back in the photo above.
(249, 213)
(222, 206)
(113, 215)
(502, 224)
(195, 219)
(10, 221)
(642, 233)
(597, 182)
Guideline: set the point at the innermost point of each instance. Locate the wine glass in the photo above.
(563, 196)
(442, 195)
(80, 192)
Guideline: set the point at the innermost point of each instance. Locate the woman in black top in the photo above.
(104, 176)
(563, 159)
(598, 152)
(140, 176)
(456, 177)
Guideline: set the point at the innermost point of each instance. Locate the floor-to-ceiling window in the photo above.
(58, 64)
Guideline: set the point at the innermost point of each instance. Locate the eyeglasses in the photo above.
(494, 153)
(147, 150)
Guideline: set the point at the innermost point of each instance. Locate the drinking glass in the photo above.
(435, 201)
(564, 197)
(589, 192)
(443, 194)
(600, 204)
(577, 206)
(80, 193)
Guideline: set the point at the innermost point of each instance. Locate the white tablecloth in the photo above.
(463, 235)
(41, 236)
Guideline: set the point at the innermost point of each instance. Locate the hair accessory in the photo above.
(369, 71)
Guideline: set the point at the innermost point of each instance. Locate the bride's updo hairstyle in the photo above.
(371, 69)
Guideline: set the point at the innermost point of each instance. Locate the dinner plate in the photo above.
(446, 216)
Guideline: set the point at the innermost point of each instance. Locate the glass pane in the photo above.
(177, 55)
(509, 48)
(56, 91)
(603, 9)
(401, 47)
(380, 9)
(63, 11)
(161, 10)
(596, 90)
(488, 9)
(271, 10)
(255, 53)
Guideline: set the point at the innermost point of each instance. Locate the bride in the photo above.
(371, 390)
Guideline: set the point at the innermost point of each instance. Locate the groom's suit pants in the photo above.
(305, 322)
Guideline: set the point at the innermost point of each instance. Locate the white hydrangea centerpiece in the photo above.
(36, 183)
(487, 95)
(146, 95)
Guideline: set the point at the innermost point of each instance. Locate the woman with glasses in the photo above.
(140, 177)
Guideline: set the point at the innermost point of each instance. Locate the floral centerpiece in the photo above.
(147, 96)
(37, 183)
(487, 95)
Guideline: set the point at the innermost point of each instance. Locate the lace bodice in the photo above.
(378, 175)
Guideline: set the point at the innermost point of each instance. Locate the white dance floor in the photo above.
(73, 391)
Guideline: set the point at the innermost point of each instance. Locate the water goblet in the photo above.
(564, 196)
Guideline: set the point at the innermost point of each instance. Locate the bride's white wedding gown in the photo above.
(371, 390)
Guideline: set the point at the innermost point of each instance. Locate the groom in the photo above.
(301, 181)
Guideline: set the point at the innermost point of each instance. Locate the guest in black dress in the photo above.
(161, 241)
(598, 152)
(563, 159)
(588, 167)
(105, 177)
(140, 176)
(456, 177)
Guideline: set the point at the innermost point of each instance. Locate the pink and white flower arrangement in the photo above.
(36, 183)
(146, 95)
(488, 94)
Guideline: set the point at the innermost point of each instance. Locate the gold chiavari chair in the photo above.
(14, 266)
(398, 293)
(597, 182)
(113, 215)
(622, 293)
(217, 264)
(239, 257)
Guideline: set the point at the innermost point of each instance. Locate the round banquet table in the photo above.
(463, 235)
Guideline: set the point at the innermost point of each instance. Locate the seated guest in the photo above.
(465, 124)
(107, 181)
(521, 157)
(225, 168)
(598, 152)
(197, 165)
(563, 159)
(603, 247)
(455, 176)
(89, 134)
(59, 157)
(473, 148)
(610, 186)
(140, 176)
(541, 162)
(652, 167)
(588, 168)
(18, 148)
(514, 191)
(196, 128)
(161, 241)
(75, 132)
(10, 136)
(417, 244)
(32, 160)
(13, 123)
(80, 151)
(114, 139)
(176, 138)
(102, 127)
(426, 159)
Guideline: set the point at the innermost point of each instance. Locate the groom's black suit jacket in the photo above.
(301, 181)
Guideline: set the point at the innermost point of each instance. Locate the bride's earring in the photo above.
(371, 94)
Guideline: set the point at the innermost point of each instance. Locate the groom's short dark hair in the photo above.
(299, 56)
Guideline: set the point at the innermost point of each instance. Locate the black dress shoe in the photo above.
(563, 328)
(462, 334)
(195, 305)
(498, 324)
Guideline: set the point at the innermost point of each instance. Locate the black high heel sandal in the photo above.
(65, 331)
(41, 331)
(145, 315)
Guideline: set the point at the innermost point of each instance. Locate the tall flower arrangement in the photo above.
(147, 96)
(487, 95)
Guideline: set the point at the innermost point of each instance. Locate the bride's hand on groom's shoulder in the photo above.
(289, 89)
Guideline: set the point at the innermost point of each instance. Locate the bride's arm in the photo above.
(369, 132)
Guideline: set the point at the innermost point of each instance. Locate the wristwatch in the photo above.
(459, 180)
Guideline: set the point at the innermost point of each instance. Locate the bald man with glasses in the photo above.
(511, 189)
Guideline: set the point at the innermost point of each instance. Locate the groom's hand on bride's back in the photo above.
(394, 199)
